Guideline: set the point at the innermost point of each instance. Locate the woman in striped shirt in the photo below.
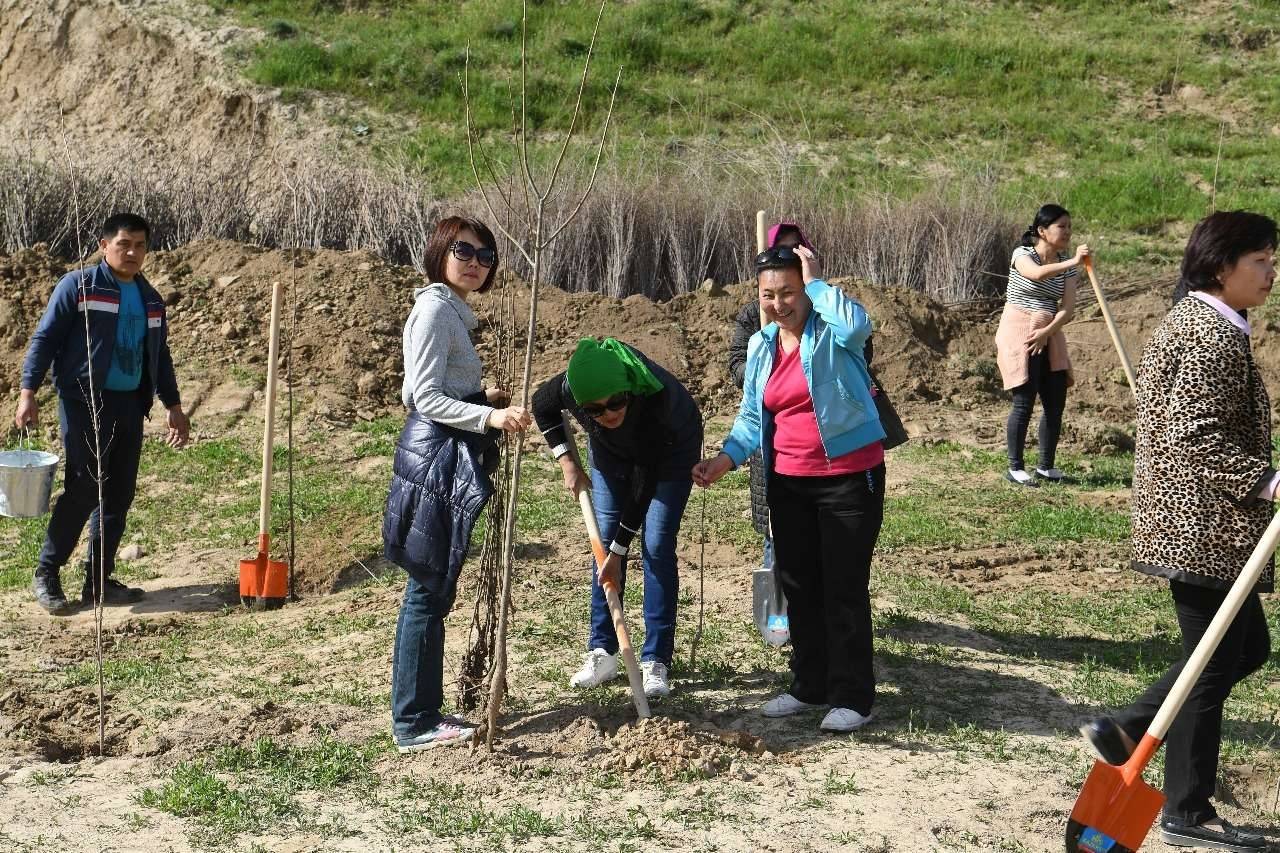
(1031, 349)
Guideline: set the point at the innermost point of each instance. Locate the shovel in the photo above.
(1111, 326)
(264, 582)
(615, 609)
(1116, 808)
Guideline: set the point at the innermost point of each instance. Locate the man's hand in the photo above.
(28, 414)
(179, 428)
(611, 571)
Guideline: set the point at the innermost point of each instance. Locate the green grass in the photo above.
(1078, 103)
(237, 789)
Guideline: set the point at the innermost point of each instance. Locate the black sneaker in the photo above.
(47, 589)
(1222, 837)
(115, 593)
(1108, 741)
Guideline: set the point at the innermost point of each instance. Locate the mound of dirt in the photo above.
(155, 73)
(671, 748)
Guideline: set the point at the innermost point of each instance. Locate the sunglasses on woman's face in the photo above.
(615, 403)
(464, 251)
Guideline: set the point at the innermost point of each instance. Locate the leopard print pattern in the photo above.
(1203, 451)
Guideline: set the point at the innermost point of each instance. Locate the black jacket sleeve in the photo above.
(549, 403)
(746, 324)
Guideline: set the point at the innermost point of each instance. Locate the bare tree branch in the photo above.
(577, 106)
(471, 157)
(524, 100)
(595, 167)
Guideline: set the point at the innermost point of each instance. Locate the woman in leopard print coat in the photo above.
(1203, 492)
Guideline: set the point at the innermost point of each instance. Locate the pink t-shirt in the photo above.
(797, 445)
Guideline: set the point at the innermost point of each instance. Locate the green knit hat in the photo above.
(600, 369)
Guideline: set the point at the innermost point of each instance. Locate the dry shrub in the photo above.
(641, 231)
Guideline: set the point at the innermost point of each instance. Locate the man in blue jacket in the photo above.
(105, 335)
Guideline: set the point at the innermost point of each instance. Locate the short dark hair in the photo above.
(117, 222)
(443, 237)
(1045, 216)
(778, 258)
(1221, 239)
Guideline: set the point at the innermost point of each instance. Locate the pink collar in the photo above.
(1232, 315)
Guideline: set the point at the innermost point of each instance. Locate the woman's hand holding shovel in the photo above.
(611, 572)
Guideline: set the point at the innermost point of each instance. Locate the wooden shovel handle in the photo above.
(615, 608)
(1111, 327)
(268, 443)
(761, 237)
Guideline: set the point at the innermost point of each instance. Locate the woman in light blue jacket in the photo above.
(807, 400)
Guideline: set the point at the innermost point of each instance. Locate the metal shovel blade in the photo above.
(264, 583)
(1112, 814)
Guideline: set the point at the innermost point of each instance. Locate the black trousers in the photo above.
(824, 532)
(1051, 387)
(1191, 746)
(120, 426)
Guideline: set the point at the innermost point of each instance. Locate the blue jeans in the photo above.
(417, 663)
(661, 576)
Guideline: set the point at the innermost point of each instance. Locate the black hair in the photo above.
(1045, 216)
(1221, 239)
(778, 258)
(117, 222)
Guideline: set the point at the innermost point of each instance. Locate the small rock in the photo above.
(133, 552)
(229, 330)
(368, 383)
(226, 280)
(712, 288)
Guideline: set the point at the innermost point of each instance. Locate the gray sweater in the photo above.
(441, 366)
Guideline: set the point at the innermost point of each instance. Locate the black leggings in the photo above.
(1195, 738)
(1051, 387)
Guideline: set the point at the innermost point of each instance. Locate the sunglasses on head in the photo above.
(778, 258)
(464, 251)
(613, 404)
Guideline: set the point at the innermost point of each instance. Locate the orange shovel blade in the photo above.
(1112, 815)
(264, 582)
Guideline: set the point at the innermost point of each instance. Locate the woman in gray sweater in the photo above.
(448, 408)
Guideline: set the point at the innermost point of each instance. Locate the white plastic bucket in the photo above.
(26, 482)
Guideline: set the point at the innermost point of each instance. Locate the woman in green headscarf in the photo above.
(644, 434)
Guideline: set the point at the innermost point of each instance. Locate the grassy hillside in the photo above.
(1116, 110)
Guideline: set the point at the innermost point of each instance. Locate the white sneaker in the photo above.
(1022, 478)
(843, 720)
(1053, 475)
(654, 675)
(786, 705)
(598, 666)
